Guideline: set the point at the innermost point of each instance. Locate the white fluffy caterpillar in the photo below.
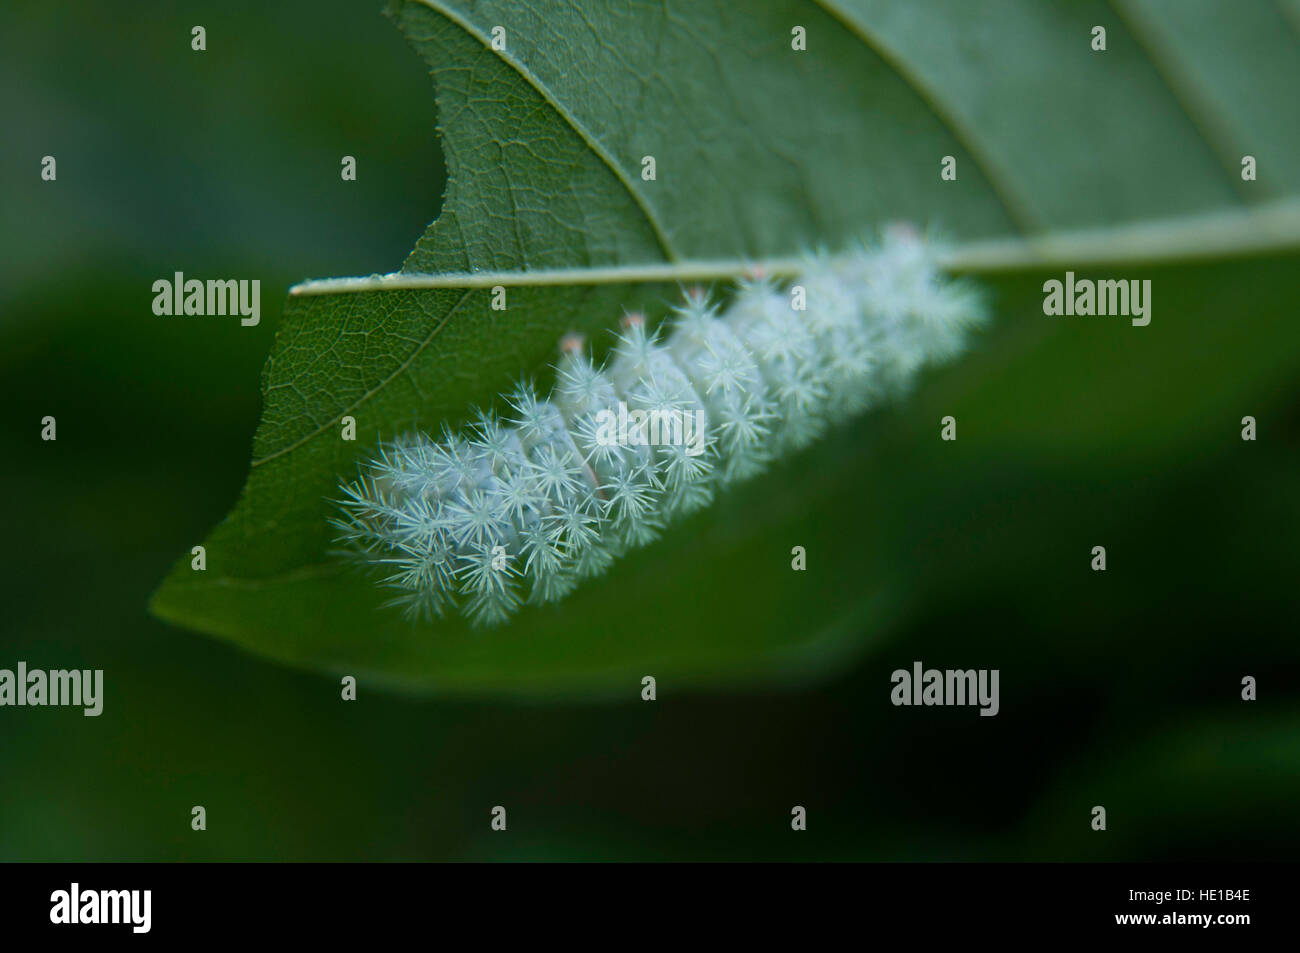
(522, 509)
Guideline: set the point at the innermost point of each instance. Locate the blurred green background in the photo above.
(1119, 689)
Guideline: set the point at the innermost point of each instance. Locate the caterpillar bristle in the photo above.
(520, 509)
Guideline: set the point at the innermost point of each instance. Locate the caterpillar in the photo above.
(521, 507)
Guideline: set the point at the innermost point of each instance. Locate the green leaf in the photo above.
(1066, 157)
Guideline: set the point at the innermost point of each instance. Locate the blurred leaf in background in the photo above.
(1118, 688)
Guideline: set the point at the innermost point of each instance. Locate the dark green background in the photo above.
(1118, 689)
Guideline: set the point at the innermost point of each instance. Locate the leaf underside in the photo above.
(765, 152)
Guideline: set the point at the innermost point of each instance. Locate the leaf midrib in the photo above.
(1270, 227)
